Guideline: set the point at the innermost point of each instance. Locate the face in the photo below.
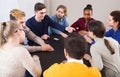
(40, 14)
(21, 21)
(91, 35)
(87, 14)
(60, 13)
(21, 34)
(111, 22)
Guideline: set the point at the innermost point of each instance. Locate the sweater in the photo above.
(101, 55)
(14, 62)
(71, 69)
(81, 24)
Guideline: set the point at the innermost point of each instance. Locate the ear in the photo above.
(16, 32)
(66, 54)
(117, 23)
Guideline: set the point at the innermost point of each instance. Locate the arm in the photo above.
(54, 24)
(33, 37)
(45, 47)
(96, 58)
(28, 63)
(75, 25)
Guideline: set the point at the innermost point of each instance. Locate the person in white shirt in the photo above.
(15, 59)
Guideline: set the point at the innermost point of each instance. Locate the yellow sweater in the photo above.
(71, 69)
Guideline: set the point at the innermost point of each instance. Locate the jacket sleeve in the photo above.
(33, 37)
(33, 48)
(54, 24)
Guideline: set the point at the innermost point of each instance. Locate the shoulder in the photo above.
(30, 19)
(82, 18)
(112, 41)
(21, 50)
(110, 30)
(94, 71)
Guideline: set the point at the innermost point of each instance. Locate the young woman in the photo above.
(114, 22)
(80, 26)
(15, 59)
(105, 51)
(60, 18)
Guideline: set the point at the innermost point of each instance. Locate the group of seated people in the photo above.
(18, 38)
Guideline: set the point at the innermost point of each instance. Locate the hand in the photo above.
(47, 47)
(88, 57)
(35, 58)
(64, 61)
(88, 39)
(45, 37)
(69, 29)
(63, 35)
(83, 32)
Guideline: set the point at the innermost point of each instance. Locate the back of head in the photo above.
(75, 45)
(16, 14)
(116, 16)
(88, 7)
(39, 6)
(97, 27)
(7, 29)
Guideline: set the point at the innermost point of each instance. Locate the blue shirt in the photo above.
(62, 21)
(113, 34)
(41, 28)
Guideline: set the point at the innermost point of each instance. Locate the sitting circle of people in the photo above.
(19, 38)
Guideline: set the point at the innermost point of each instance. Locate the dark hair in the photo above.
(98, 29)
(88, 7)
(39, 6)
(63, 7)
(75, 45)
(116, 16)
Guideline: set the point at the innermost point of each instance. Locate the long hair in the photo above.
(116, 16)
(98, 29)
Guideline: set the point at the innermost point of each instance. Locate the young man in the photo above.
(19, 16)
(40, 22)
(74, 50)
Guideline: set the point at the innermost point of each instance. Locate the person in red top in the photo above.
(80, 26)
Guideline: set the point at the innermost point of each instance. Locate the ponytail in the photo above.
(2, 38)
(111, 49)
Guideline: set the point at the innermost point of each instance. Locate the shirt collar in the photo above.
(75, 60)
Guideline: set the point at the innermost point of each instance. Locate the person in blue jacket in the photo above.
(114, 22)
(40, 22)
(60, 18)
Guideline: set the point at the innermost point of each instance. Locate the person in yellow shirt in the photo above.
(75, 47)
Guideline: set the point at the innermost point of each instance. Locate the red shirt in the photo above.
(81, 24)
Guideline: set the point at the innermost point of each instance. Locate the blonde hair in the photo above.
(7, 29)
(16, 14)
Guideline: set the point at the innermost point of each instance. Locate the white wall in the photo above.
(26, 5)
(101, 8)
